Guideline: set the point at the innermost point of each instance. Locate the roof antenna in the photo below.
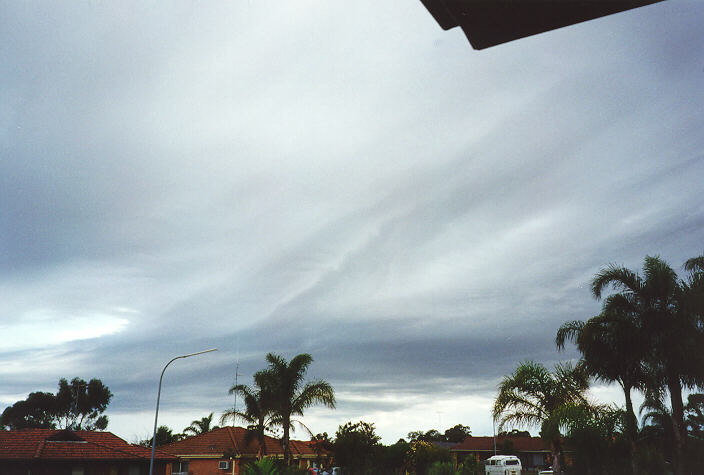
(237, 373)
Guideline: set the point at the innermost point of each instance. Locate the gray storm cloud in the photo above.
(349, 181)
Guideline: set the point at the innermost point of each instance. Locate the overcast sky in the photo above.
(339, 178)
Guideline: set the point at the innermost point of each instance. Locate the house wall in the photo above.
(89, 468)
(210, 466)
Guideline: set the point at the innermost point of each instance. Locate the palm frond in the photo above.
(315, 392)
(296, 422)
(620, 278)
(234, 415)
(694, 264)
(520, 419)
(532, 395)
(515, 400)
(568, 331)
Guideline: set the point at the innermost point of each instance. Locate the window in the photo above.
(179, 468)
(224, 465)
(512, 462)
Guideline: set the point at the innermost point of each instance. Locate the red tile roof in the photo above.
(232, 439)
(521, 444)
(52, 444)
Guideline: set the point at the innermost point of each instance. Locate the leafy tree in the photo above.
(422, 454)
(322, 437)
(321, 445)
(416, 435)
(507, 447)
(454, 434)
(514, 433)
(469, 466)
(200, 426)
(81, 404)
(284, 382)
(259, 411)
(670, 313)
(38, 410)
(433, 435)
(694, 411)
(164, 435)
(355, 446)
(393, 458)
(442, 468)
(532, 395)
(77, 405)
(457, 433)
(594, 435)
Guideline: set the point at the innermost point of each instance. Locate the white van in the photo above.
(503, 465)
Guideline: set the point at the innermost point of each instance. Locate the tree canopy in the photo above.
(77, 405)
(164, 435)
(454, 434)
(356, 446)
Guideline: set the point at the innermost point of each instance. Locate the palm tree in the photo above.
(290, 396)
(258, 412)
(657, 429)
(533, 396)
(200, 426)
(669, 315)
(612, 351)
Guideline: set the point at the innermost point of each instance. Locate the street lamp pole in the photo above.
(158, 396)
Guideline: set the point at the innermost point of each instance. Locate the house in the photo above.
(226, 450)
(533, 451)
(66, 452)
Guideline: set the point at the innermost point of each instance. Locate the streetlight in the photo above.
(158, 396)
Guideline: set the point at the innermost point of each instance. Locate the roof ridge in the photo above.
(117, 449)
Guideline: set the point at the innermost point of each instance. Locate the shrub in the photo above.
(442, 468)
(265, 466)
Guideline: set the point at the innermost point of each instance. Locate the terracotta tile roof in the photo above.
(305, 447)
(232, 439)
(52, 444)
(522, 444)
